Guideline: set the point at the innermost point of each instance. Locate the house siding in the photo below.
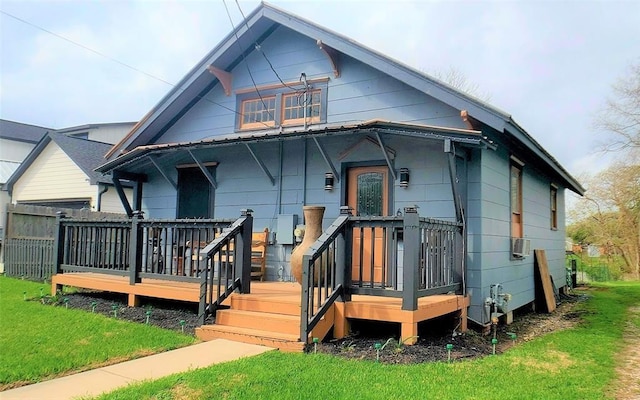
(52, 175)
(490, 259)
(361, 93)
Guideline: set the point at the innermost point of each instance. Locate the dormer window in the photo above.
(279, 105)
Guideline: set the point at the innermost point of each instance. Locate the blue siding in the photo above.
(489, 252)
(360, 94)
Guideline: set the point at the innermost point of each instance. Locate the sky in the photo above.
(550, 64)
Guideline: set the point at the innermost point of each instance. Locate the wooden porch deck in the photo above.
(272, 309)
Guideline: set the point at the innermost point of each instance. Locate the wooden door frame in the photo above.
(344, 190)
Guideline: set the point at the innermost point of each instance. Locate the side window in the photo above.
(554, 207)
(516, 200)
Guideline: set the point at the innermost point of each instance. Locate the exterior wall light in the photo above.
(404, 177)
(328, 181)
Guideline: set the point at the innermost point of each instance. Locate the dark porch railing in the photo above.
(159, 249)
(225, 265)
(406, 257)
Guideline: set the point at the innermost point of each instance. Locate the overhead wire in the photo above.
(258, 48)
(112, 59)
(244, 59)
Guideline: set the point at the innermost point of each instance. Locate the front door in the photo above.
(368, 195)
(195, 194)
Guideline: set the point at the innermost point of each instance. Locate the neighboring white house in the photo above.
(16, 142)
(59, 171)
(54, 168)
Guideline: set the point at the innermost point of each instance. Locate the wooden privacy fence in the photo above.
(29, 244)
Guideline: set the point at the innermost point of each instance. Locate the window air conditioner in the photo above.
(520, 247)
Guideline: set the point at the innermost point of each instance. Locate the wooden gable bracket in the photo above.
(137, 179)
(261, 164)
(323, 152)
(204, 170)
(333, 55)
(469, 121)
(223, 76)
(164, 173)
(386, 156)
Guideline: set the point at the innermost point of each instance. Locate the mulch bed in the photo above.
(434, 335)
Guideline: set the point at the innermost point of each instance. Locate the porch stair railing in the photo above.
(225, 265)
(323, 274)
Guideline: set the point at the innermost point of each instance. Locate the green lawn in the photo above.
(38, 342)
(572, 364)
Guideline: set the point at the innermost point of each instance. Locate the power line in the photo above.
(259, 50)
(119, 62)
(85, 47)
(244, 59)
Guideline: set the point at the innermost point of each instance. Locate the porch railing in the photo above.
(225, 265)
(407, 257)
(159, 249)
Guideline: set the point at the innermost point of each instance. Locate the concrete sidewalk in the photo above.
(105, 379)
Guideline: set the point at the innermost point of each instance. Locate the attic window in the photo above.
(275, 106)
(293, 108)
(258, 113)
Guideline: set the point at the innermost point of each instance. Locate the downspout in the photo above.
(280, 178)
(304, 175)
(303, 78)
(449, 148)
(102, 189)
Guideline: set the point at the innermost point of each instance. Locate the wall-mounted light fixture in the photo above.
(404, 177)
(328, 181)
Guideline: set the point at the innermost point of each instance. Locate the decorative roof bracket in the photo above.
(204, 170)
(223, 76)
(469, 121)
(336, 175)
(386, 156)
(333, 55)
(261, 165)
(164, 173)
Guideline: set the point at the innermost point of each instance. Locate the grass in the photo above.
(39, 342)
(577, 363)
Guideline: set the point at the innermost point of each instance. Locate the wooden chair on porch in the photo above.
(259, 242)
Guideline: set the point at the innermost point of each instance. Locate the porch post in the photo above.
(243, 251)
(344, 248)
(59, 245)
(135, 249)
(411, 259)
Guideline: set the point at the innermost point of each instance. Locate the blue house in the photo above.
(284, 113)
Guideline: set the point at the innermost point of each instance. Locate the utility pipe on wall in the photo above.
(102, 189)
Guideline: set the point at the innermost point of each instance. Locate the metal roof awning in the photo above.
(466, 137)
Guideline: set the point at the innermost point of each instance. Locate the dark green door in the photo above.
(195, 194)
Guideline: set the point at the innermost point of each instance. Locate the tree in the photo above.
(609, 213)
(621, 115)
(458, 80)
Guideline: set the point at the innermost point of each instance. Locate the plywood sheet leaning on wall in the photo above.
(544, 286)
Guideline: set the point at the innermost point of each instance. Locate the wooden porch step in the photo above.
(280, 341)
(276, 323)
(266, 304)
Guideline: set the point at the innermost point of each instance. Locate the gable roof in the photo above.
(86, 154)
(257, 26)
(20, 132)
